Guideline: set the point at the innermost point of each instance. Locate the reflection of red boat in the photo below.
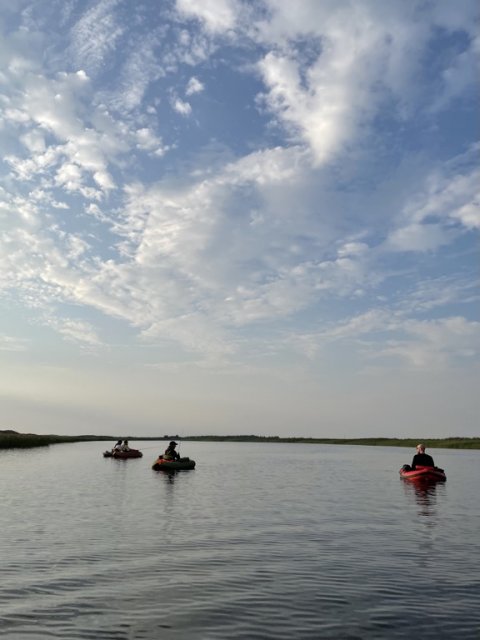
(123, 455)
(423, 473)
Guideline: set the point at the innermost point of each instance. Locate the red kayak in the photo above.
(123, 455)
(423, 473)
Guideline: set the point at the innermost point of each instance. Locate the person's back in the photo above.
(118, 446)
(422, 459)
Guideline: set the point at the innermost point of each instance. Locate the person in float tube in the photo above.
(170, 453)
(422, 459)
(125, 446)
(118, 446)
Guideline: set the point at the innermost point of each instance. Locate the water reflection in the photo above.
(425, 493)
(118, 551)
(168, 474)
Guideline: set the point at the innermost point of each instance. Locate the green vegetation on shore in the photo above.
(436, 443)
(12, 439)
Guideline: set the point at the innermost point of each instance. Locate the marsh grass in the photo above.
(12, 439)
(431, 443)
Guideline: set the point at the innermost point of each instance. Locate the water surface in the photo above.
(260, 541)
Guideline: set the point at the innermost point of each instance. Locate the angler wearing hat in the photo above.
(170, 453)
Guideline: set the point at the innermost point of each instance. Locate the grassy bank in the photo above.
(11, 439)
(431, 443)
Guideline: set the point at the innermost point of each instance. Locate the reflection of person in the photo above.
(422, 459)
(125, 446)
(170, 453)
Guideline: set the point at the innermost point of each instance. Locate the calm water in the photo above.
(260, 541)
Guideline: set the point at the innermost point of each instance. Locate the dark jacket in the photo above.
(422, 460)
(171, 454)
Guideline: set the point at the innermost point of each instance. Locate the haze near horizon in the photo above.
(234, 216)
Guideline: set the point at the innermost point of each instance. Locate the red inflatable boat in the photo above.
(123, 455)
(423, 473)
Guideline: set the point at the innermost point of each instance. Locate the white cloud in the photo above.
(39, 195)
(16, 116)
(95, 35)
(386, 334)
(216, 15)
(69, 176)
(352, 249)
(140, 67)
(469, 214)
(34, 141)
(182, 107)
(183, 258)
(324, 108)
(85, 141)
(194, 332)
(104, 180)
(327, 98)
(330, 67)
(232, 242)
(418, 237)
(434, 344)
(10, 343)
(17, 209)
(194, 86)
(41, 163)
(55, 106)
(372, 321)
(217, 254)
(455, 195)
(147, 140)
(75, 247)
(440, 292)
(461, 76)
(448, 196)
(74, 330)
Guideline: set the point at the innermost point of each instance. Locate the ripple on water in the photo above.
(308, 547)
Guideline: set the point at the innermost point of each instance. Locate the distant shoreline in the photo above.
(10, 439)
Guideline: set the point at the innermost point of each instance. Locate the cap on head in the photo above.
(173, 444)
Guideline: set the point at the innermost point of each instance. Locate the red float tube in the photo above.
(423, 473)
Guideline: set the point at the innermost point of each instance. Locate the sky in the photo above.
(240, 217)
